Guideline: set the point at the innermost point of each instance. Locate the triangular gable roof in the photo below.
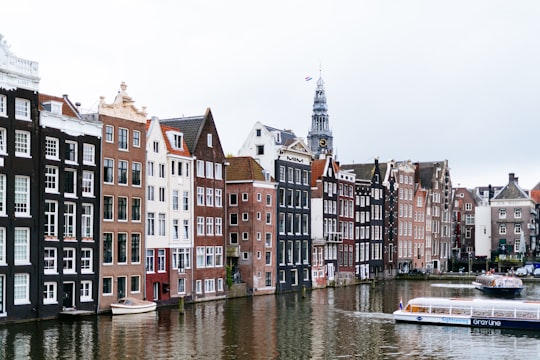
(362, 171)
(67, 107)
(297, 145)
(191, 127)
(244, 168)
(512, 190)
(285, 135)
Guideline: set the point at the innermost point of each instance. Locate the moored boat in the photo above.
(498, 284)
(132, 306)
(481, 313)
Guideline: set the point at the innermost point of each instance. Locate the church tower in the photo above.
(320, 139)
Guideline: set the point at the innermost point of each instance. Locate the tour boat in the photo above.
(498, 284)
(132, 306)
(479, 313)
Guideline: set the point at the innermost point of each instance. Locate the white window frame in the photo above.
(69, 261)
(22, 109)
(136, 138)
(86, 291)
(3, 105)
(50, 258)
(51, 179)
(21, 248)
(2, 247)
(89, 154)
(3, 141)
(70, 225)
(21, 289)
(88, 183)
(50, 291)
(87, 221)
(51, 219)
(71, 144)
(109, 133)
(2, 195)
(22, 196)
(22, 143)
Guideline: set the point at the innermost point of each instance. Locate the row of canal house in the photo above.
(152, 208)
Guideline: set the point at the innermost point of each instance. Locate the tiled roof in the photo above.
(317, 168)
(286, 135)
(244, 168)
(67, 107)
(511, 191)
(191, 128)
(171, 149)
(362, 171)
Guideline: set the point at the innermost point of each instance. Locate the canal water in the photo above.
(353, 322)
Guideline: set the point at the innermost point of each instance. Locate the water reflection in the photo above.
(346, 323)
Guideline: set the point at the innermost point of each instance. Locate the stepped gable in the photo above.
(244, 168)
(512, 190)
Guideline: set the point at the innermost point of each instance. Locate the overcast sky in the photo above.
(419, 80)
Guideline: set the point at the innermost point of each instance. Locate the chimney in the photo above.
(512, 178)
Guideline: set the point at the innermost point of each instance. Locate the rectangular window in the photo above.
(108, 171)
(209, 226)
(22, 246)
(2, 252)
(88, 183)
(51, 216)
(200, 225)
(185, 201)
(108, 203)
(219, 198)
(49, 293)
(219, 172)
(3, 141)
(122, 208)
(161, 260)
(175, 200)
(161, 194)
(200, 196)
(86, 290)
(107, 286)
(135, 248)
(21, 289)
(70, 182)
(122, 139)
(209, 197)
(200, 257)
(51, 148)
(122, 172)
(200, 168)
(22, 195)
(219, 226)
(209, 170)
(71, 152)
(136, 138)
(135, 284)
(209, 256)
(219, 256)
(3, 113)
(181, 286)
(109, 133)
(86, 261)
(69, 261)
(87, 222)
(150, 224)
(136, 209)
(136, 169)
(149, 260)
(89, 154)
(150, 193)
(122, 248)
(161, 224)
(22, 109)
(150, 168)
(69, 220)
(107, 248)
(22, 143)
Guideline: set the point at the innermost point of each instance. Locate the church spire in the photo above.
(320, 139)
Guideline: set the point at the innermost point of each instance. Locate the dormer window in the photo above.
(56, 107)
(177, 141)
